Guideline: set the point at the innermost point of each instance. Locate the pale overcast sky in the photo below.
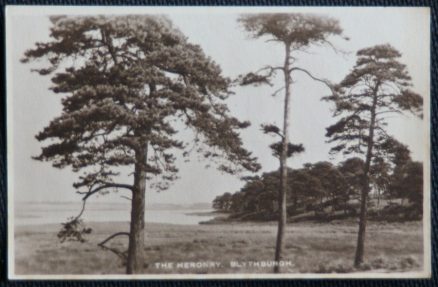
(31, 105)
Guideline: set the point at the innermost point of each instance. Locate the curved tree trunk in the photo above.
(135, 261)
(282, 216)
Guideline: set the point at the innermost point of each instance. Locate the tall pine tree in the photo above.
(296, 32)
(378, 86)
(127, 83)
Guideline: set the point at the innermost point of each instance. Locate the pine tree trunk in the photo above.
(135, 261)
(283, 164)
(360, 248)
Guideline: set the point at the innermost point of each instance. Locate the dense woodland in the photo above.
(323, 191)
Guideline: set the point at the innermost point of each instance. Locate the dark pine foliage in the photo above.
(128, 84)
(137, 76)
(322, 191)
(378, 86)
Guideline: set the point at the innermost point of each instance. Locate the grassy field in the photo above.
(311, 247)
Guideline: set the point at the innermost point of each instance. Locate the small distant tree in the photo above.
(218, 203)
(378, 86)
(127, 84)
(296, 32)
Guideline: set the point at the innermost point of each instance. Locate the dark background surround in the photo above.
(433, 4)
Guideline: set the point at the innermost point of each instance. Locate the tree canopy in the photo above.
(128, 85)
(297, 29)
(125, 81)
(323, 191)
(378, 85)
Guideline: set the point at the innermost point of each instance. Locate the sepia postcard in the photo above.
(218, 142)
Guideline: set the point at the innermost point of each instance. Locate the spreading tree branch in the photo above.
(324, 81)
(90, 193)
(105, 186)
(113, 236)
(120, 254)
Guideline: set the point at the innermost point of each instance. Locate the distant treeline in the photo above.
(323, 191)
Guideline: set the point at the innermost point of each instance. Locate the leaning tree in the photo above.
(127, 84)
(378, 86)
(297, 33)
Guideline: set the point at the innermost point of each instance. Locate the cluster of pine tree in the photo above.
(322, 192)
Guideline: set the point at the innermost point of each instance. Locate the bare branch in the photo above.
(126, 197)
(104, 186)
(277, 91)
(389, 112)
(336, 49)
(90, 193)
(270, 68)
(80, 212)
(113, 236)
(324, 81)
(120, 254)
